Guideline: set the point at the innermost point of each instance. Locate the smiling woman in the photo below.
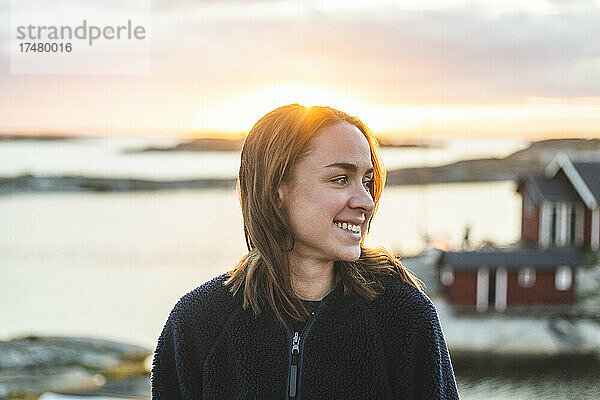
(329, 205)
(309, 312)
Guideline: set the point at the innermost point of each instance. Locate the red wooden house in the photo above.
(562, 208)
(560, 216)
(504, 278)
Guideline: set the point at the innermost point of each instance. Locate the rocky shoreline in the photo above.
(31, 183)
(33, 365)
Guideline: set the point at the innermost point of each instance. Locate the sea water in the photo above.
(112, 265)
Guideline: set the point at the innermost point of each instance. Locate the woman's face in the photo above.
(331, 188)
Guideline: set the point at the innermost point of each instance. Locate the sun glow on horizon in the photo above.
(239, 112)
(533, 116)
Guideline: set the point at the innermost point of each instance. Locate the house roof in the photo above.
(512, 258)
(590, 174)
(582, 175)
(557, 189)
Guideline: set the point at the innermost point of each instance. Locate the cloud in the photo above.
(462, 54)
(421, 53)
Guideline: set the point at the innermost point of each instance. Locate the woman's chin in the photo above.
(350, 256)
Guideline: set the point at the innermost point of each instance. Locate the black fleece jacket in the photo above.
(388, 348)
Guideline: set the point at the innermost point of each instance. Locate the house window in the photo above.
(553, 224)
(447, 275)
(572, 224)
(563, 278)
(526, 277)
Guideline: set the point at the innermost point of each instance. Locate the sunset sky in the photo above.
(525, 68)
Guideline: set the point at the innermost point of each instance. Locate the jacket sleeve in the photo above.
(167, 365)
(434, 376)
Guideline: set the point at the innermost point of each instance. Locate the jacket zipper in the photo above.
(294, 366)
(296, 359)
(295, 370)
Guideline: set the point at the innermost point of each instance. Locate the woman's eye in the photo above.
(344, 181)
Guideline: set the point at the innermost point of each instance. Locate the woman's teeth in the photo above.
(348, 227)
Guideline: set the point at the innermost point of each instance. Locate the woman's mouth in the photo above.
(352, 229)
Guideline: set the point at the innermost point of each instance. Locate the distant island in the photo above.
(531, 160)
(213, 144)
(199, 144)
(32, 183)
(37, 137)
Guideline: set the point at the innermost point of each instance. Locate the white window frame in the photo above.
(447, 275)
(577, 239)
(544, 229)
(483, 280)
(562, 231)
(563, 226)
(526, 278)
(563, 278)
(501, 289)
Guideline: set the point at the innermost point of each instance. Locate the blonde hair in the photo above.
(270, 151)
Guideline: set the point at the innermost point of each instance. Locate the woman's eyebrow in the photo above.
(348, 167)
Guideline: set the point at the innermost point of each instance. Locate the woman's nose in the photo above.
(362, 199)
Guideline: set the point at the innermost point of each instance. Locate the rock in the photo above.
(32, 365)
(26, 382)
(90, 353)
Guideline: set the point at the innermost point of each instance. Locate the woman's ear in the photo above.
(281, 192)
